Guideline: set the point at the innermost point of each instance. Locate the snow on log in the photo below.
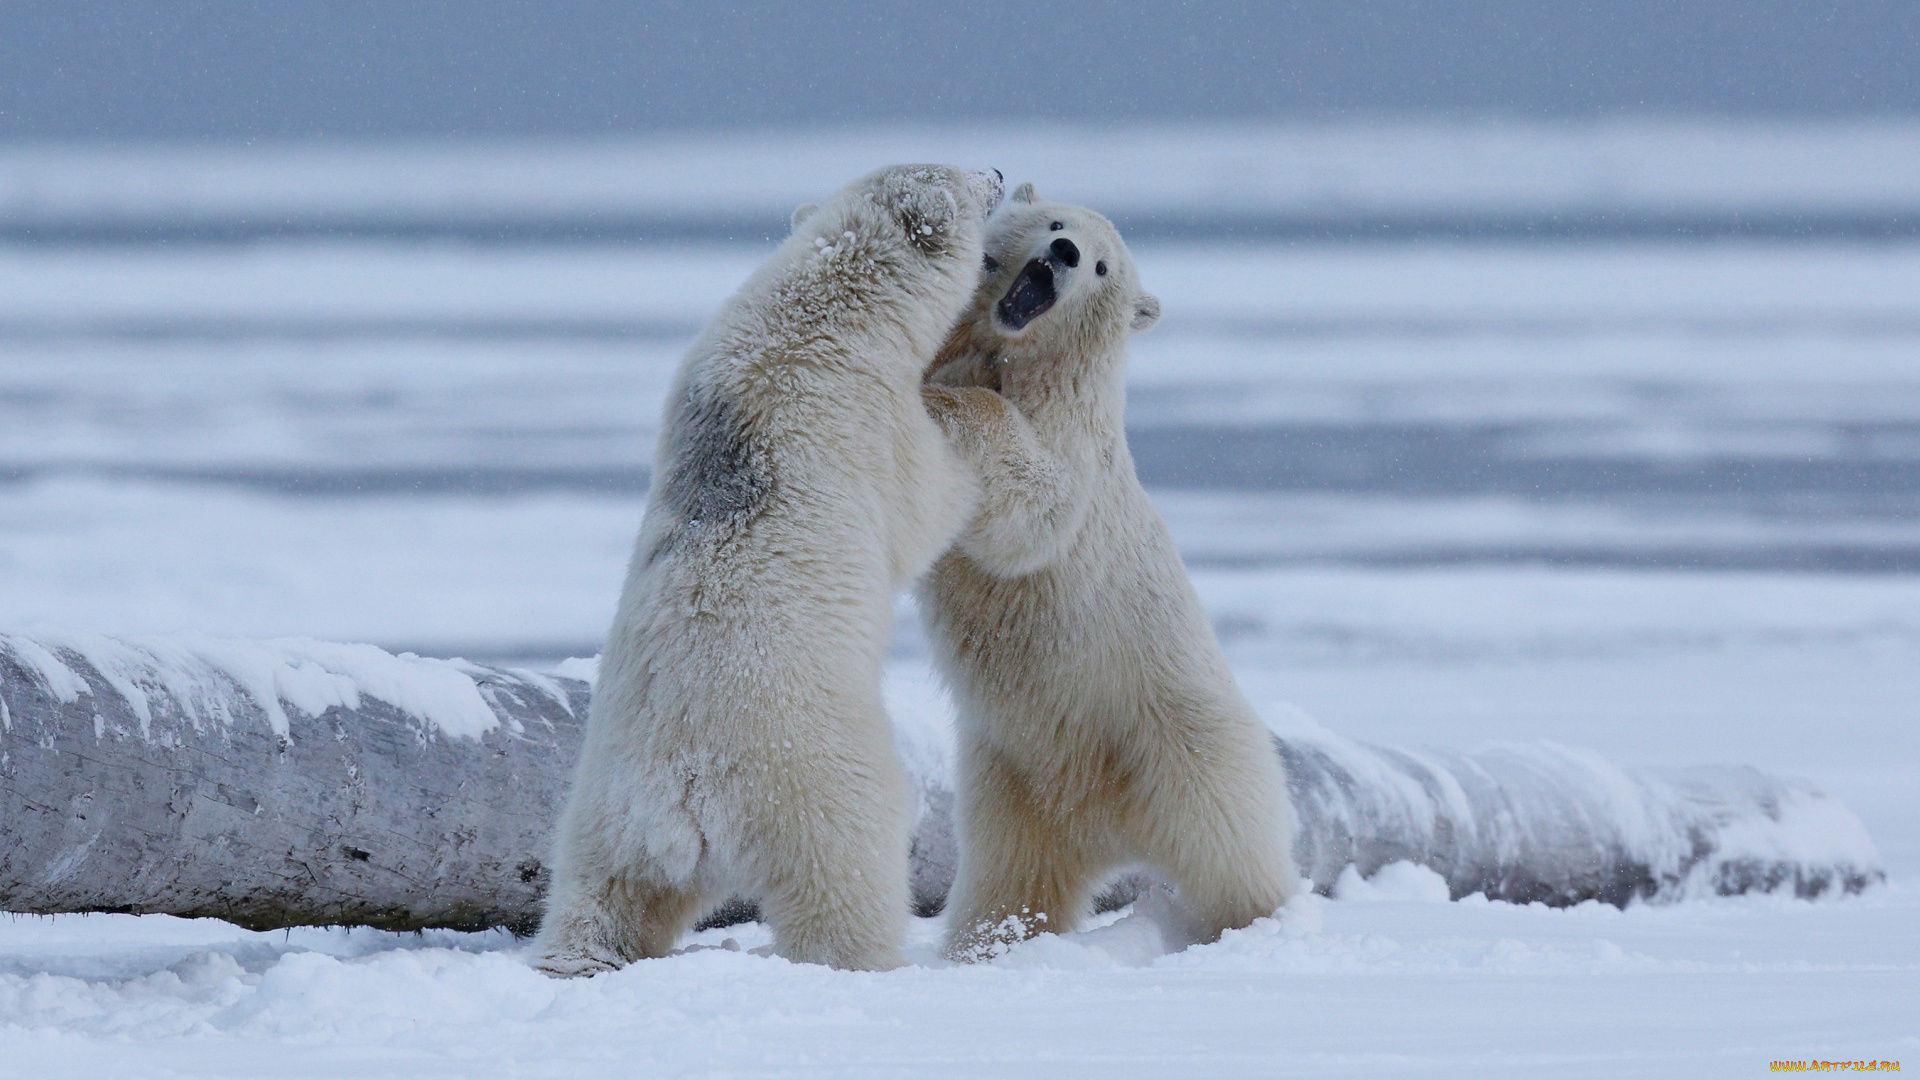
(1541, 822)
(277, 784)
(301, 782)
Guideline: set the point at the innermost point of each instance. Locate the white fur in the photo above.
(1099, 724)
(737, 743)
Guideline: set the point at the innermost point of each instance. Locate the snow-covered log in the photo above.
(300, 782)
(277, 784)
(1541, 822)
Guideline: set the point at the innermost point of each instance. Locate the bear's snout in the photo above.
(1065, 250)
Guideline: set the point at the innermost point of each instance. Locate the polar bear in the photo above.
(737, 743)
(1098, 723)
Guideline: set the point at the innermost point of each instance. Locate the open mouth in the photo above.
(1031, 294)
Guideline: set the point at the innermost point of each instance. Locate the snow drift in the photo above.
(300, 782)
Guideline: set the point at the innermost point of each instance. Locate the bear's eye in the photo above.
(1057, 226)
(1100, 268)
(992, 264)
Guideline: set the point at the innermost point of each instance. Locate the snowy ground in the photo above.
(1659, 500)
(1395, 984)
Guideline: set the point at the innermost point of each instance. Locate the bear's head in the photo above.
(935, 208)
(1059, 281)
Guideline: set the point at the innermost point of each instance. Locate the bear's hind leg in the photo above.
(850, 918)
(1225, 838)
(1227, 897)
(601, 926)
(1025, 868)
(830, 869)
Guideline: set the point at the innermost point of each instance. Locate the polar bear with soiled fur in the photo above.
(737, 744)
(1098, 723)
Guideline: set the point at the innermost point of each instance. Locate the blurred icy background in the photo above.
(1527, 371)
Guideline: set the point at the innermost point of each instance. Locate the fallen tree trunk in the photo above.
(301, 782)
(277, 784)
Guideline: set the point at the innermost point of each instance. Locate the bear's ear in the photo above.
(1146, 312)
(1023, 193)
(801, 213)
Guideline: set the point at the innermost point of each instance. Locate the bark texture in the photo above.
(132, 779)
(297, 783)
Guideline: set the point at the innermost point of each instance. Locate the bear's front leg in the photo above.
(974, 419)
(1032, 500)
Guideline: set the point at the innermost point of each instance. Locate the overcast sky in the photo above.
(358, 68)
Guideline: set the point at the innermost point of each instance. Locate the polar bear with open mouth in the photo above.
(1098, 722)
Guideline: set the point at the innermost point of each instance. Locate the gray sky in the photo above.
(358, 68)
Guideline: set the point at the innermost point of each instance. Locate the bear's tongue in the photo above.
(1030, 295)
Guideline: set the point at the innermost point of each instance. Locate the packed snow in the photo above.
(444, 447)
(1386, 980)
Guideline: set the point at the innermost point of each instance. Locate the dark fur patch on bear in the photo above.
(717, 474)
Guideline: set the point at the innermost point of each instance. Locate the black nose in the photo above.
(1064, 250)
